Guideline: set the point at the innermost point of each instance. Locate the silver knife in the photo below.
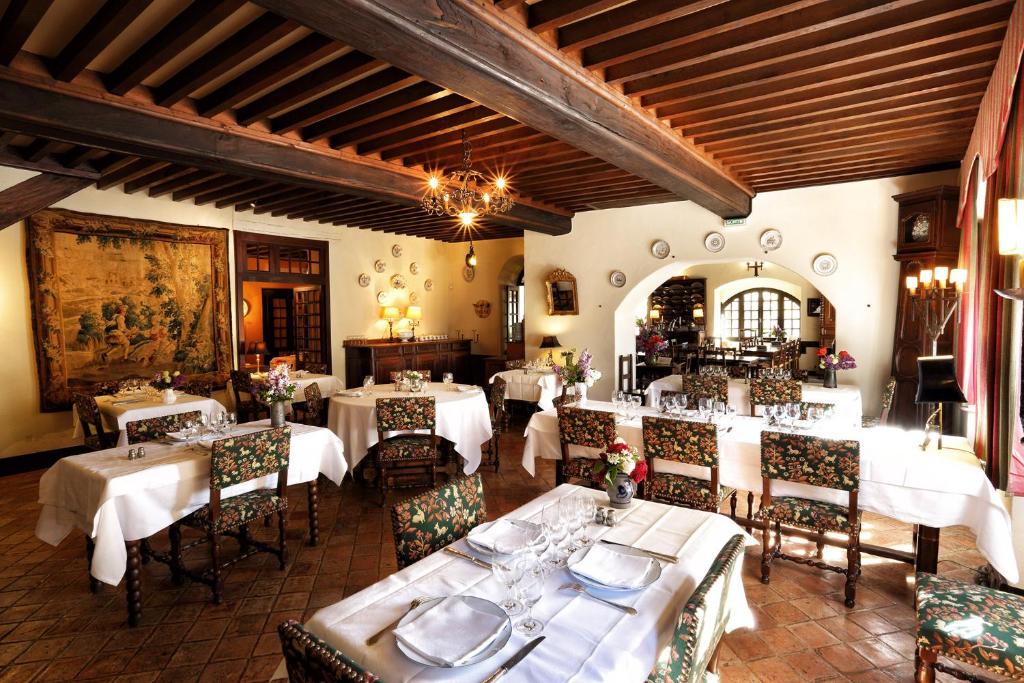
(466, 556)
(514, 659)
(650, 553)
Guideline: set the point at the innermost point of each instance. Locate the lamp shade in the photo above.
(936, 381)
(550, 343)
(390, 313)
(259, 347)
(414, 313)
(698, 311)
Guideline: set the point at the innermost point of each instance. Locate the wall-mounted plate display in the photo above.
(660, 249)
(428, 284)
(364, 280)
(617, 278)
(414, 268)
(414, 298)
(468, 273)
(397, 281)
(714, 242)
(771, 239)
(825, 264)
(383, 298)
(380, 266)
(396, 250)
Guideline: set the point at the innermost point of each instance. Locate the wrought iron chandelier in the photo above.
(465, 194)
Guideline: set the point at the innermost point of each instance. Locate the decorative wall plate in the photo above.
(414, 268)
(397, 281)
(414, 298)
(383, 298)
(428, 284)
(660, 249)
(482, 308)
(617, 278)
(380, 266)
(364, 280)
(825, 264)
(468, 273)
(771, 240)
(396, 250)
(714, 242)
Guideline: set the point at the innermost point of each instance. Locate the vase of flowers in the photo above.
(276, 391)
(621, 468)
(832, 363)
(650, 340)
(415, 380)
(578, 374)
(166, 382)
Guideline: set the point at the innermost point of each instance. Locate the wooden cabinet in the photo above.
(381, 358)
(927, 236)
(827, 324)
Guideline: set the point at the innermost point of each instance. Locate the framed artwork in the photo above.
(117, 297)
(814, 307)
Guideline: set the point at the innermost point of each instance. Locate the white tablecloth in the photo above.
(898, 479)
(846, 399)
(462, 418)
(118, 411)
(114, 499)
(329, 386)
(585, 640)
(535, 387)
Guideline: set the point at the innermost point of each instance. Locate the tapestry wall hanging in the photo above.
(117, 297)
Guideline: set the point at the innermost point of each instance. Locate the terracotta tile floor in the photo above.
(53, 629)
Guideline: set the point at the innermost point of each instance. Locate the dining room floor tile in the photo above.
(53, 629)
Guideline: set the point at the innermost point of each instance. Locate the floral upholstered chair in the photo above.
(518, 364)
(587, 428)
(704, 386)
(236, 460)
(692, 443)
(887, 395)
(96, 437)
(405, 452)
(154, 428)
(827, 463)
(499, 422)
(424, 524)
(198, 387)
(315, 368)
(248, 409)
(765, 391)
(312, 411)
(697, 640)
(311, 660)
(971, 624)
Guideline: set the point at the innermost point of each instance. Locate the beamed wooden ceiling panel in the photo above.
(232, 103)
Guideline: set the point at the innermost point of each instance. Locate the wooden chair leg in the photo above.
(713, 661)
(90, 550)
(177, 564)
(244, 539)
(820, 550)
(732, 506)
(497, 452)
(382, 472)
(750, 509)
(314, 513)
(214, 540)
(766, 553)
(281, 519)
(852, 569)
(924, 669)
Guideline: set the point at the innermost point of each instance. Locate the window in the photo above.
(513, 327)
(757, 311)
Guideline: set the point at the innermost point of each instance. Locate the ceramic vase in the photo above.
(169, 396)
(581, 393)
(620, 493)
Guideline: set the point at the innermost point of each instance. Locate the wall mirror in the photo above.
(561, 288)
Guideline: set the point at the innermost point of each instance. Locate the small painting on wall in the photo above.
(814, 307)
(115, 297)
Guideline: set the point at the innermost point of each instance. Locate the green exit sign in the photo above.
(734, 221)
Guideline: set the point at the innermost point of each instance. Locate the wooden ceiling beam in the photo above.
(639, 193)
(381, 108)
(475, 51)
(274, 191)
(406, 120)
(408, 220)
(20, 201)
(501, 148)
(619, 21)
(9, 158)
(919, 151)
(108, 23)
(294, 195)
(571, 181)
(323, 205)
(429, 129)
(129, 171)
(70, 115)
(283, 206)
(832, 179)
(855, 171)
(231, 193)
(40, 149)
(487, 131)
(604, 189)
(550, 14)
(78, 156)
(156, 177)
(358, 211)
(627, 202)
(188, 180)
(364, 90)
(216, 183)
(17, 22)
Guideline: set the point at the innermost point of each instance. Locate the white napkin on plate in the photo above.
(450, 632)
(353, 393)
(604, 565)
(464, 388)
(177, 436)
(504, 531)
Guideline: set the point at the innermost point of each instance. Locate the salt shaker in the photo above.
(142, 452)
(599, 516)
(131, 454)
(609, 517)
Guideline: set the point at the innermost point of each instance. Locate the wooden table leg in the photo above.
(927, 555)
(133, 581)
(314, 514)
(90, 550)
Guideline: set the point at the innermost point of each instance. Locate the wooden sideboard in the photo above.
(381, 358)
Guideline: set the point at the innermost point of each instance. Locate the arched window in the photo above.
(757, 311)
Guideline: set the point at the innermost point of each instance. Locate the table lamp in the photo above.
(415, 315)
(391, 314)
(937, 383)
(550, 343)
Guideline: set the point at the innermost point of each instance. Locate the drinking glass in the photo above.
(555, 529)
(666, 404)
(719, 409)
(508, 570)
(587, 509)
(188, 428)
(617, 401)
(569, 510)
(681, 401)
(368, 382)
(230, 419)
(635, 403)
(793, 412)
(770, 413)
(529, 589)
(448, 378)
(704, 406)
(815, 413)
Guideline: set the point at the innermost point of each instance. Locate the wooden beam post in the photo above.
(35, 194)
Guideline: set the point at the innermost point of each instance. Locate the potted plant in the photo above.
(621, 468)
(167, 382)
(831, 362)
(276, 391)
(578, 374)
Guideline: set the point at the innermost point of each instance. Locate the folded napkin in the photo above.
(504, 532)
(177, 436)
(451, 632)
(464, 388)
(611, 568)
(352, 393)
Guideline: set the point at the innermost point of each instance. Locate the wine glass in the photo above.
(681, 401)
(448, 378)
(636, 404)
(587, 509)
(368, 382)
(508, 570)
(555, 529)
(793, 412)
(769, 414)
(571, 513)
(529, 589)
(719, 409)
(230, 419)
(704, 407)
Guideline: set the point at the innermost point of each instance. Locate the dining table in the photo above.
(928, 488)
(462, 418)
(119, 503)
(532, 386)
(845, 398)
(585, 640)
(118, 410)
(329, 385)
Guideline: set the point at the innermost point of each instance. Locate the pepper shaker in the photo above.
(599, 516)
(131, 454)
(142, 452)
(609, 517)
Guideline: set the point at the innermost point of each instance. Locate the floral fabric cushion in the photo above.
(406, 414)
(88, 410)
(498, 413)
(580, 468)
(411, 447)
(432, 520)
(830, 463)
(686, 491)
(971, 624)
(888, 393)
(695, 443)
(705, 386)
(314, 403)
(237, 510)
(867, 421)
(769, 392)
(154, 428)
(249, 456)
(808, 514)
(589, 428)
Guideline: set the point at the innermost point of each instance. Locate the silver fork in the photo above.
(394, 624)
(580, 589)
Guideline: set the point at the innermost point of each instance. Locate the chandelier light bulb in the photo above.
(434, 182)
(499, 183)
(466, 194)
(467, 217)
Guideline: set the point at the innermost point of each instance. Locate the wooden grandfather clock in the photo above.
(927, 236)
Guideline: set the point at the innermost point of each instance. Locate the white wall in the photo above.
(354, 309)
(854, 221)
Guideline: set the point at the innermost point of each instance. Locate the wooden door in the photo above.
(279, 321)
(309, 325)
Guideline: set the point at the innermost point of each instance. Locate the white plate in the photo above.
(364, 280)
(771, 239)
(653, 574)
(660, 249)
(396, 250)
(617, 278)
(825, 264)
(530, 526)
(477, 603)
(714, 242)
(380, 266)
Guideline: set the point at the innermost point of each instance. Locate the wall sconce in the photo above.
(935, 296)
(415, 315)
(391, 314)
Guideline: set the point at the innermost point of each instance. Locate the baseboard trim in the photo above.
(29, 462)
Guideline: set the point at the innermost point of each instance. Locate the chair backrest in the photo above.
(89, 414)
(311, 660)
(768, 392)
(806, 459)
(693, 443)
(515, 364)
(153, 428)
(241, 458)
(315, 368)
(241, 382)
(588, 428)
(289, 360)
(702, 621)
(406, 414)
(428, 522)
(499, 388)
(314, 404)
(887, 396)
(705, 386)
(627, 376)
(198, 387)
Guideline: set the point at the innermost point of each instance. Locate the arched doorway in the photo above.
(512, 295)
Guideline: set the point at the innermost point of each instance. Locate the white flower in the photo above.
(613, 458)
(590, 382)
(619, 439)
(628, 466)
(595, 375)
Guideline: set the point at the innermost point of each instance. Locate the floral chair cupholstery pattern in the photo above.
(311, 660)
(765, 391)
(888, 393)
(971, 624)
(815, 461)
(691, 443)
(704, 386)
(587, 428)
(313, 412)
(95, 436)
(405, 453)
(428, 522)
(491, 455)
(153, 428)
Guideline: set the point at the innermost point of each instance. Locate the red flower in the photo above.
(618, 448)
(639, 472)
(843, 355)
(822, 351)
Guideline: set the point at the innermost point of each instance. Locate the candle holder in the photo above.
(934, 298)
